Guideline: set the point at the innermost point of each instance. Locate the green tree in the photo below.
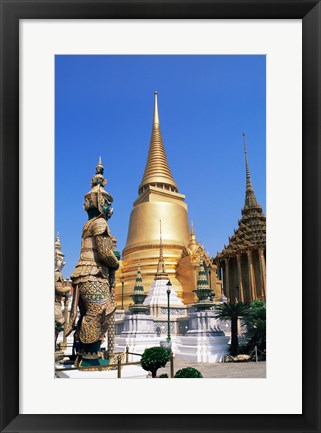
(256, 326)
(154, 358)
(258, 309)
(233, 312)
(188, 372)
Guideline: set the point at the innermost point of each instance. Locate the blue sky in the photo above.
(104, 106)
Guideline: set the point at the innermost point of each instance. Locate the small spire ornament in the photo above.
(161, 274)
(139, 295)
(203, 292)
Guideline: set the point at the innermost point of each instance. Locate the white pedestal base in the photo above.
(138, 324)
(201, 348)
(204, 323)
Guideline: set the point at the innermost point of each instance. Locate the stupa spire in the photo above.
(250, 199)
(161, 274)
(157, 172)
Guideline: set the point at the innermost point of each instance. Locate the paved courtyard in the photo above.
(222, 370)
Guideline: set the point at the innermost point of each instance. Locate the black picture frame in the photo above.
(11, 12)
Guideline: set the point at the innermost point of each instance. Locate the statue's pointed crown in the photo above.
(95, 198)
(157, 171)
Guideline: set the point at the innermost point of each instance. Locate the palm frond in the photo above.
(227, 311)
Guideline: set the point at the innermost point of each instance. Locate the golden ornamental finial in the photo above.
(192, 231)
(156, 115)
(161, 273)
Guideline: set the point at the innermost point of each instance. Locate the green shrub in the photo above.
(188, 372)
(153, 359)
(163, 375)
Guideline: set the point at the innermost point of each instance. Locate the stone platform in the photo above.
(233, 370)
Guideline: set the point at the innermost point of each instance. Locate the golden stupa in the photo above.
(159, 200)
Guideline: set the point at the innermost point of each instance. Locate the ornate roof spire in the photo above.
(157, 171)
(250, 199)
(161, 274)
(251, 231)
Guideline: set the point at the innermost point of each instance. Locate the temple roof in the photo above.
(251, 231)
(157, 169)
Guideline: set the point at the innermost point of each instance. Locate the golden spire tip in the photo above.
(192, 231)
(156, 116)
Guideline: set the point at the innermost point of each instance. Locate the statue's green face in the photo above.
(107, 209)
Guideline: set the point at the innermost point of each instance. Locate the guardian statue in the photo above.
(93, 279)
